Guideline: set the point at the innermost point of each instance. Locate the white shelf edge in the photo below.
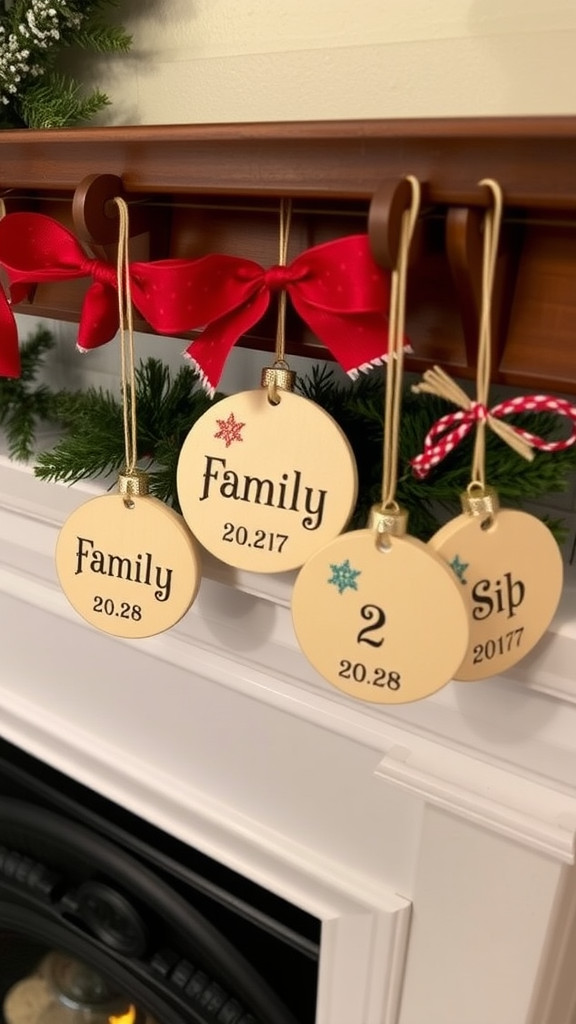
(527, 812)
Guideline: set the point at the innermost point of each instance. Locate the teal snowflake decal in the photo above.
(459, 568)
(344, 576)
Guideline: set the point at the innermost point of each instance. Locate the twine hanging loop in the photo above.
(132, 482)
(395, 361)
(280, 377)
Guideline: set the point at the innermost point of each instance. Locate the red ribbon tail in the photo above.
(358, 339)
(209, 352)
(9, 350)
(99, 319)
(365, 345)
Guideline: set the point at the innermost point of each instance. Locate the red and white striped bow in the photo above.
(448, 431)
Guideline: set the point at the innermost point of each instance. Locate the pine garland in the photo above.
(34, 92)
(169, 405)
(434, 500)
(94, 443)
(24, 403)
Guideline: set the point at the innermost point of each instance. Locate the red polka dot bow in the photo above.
(448, 431)
(336, 288)
(35, 249)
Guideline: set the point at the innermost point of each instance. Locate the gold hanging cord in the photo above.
(437, 382)
(132, 481)
(395, 362)
(284, 234)
(280, 377)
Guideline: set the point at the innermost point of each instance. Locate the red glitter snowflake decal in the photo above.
(230, 430)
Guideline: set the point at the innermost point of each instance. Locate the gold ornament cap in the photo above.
(480, 501)
(388, 521)
(134, 484)
(278, 377)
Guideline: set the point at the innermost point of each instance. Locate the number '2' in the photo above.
(377, 617)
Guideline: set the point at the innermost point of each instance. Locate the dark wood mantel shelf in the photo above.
(216, 188)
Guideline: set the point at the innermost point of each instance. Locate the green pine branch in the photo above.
(167, 408)
(359, 411)
(23, 403)
(93, 446)
(57, 101)
(168, 405)
(34, 93)
(100, 37)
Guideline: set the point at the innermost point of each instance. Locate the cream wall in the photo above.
(243, 60)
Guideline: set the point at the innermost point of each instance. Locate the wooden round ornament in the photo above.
(510, 575)
(264, 484)
(128, 564)
(383, 621)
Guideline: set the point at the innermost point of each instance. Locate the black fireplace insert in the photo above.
(105, 919)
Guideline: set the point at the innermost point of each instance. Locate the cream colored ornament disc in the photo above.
(510, 576)
(263, 486)
(130, 571)
(383, 626)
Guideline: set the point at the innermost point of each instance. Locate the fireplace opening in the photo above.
(105, 919)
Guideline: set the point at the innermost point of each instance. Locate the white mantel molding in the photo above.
(364, 927)
(365, 924)
(534, 815)
(497, 755)
(239, 635)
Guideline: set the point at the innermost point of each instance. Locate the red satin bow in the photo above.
(337, 288)
(35, 248)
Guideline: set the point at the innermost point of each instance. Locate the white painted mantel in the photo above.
(435, 841)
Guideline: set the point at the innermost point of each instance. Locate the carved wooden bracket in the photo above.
(194, 190)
